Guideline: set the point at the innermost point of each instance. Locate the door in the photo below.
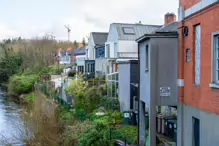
(196, 132)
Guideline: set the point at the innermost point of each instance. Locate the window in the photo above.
(188, 56)
(196, 132)
(215, 63)
(128, 30)
(146, 58)
(108, 50)
(197, 53)
(88, 66)
(100, 52)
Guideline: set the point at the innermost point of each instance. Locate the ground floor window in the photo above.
(81, 69)
(113, 84)
(196, 132)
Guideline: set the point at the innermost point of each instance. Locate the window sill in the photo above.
(214, 85)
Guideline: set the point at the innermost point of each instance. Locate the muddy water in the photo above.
(12, 129)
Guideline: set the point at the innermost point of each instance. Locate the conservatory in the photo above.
(112, 84)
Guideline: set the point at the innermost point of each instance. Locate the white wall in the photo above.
(91, 50)
(127, 48)
(112, 50)
(80, 60)
(101, 65)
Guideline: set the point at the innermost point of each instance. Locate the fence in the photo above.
(46, 88)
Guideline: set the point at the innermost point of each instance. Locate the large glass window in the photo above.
(100, 52)
(112, 85)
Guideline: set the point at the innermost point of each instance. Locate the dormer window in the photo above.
(128, 30)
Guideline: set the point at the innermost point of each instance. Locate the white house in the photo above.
(121, 42)
(96, 51)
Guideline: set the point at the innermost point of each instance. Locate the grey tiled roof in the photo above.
(172, 27)
(99, 38)
(139, 30)
(80, 51)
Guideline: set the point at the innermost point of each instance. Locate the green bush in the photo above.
(95, 135)
(10, 63)
(30, 98)
(110, 103)
(130, 133)
(22, 83)
(65, 115)
(73, 132)
(71, 74)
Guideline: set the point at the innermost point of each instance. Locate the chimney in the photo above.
(80, 45)
(169, 18)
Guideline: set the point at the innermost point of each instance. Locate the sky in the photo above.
(35, 18)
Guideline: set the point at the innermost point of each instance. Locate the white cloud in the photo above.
(6, 32)
(85, 16)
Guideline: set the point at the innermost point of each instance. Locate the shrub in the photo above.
(30, 98)
(71, 74)
(22, 84)
(72, 133)
(65, 115)
(110, 103)
(92, 99)
(10, 64)
(130, 133)
(95, 135)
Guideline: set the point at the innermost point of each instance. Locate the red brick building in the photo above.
(198, 73)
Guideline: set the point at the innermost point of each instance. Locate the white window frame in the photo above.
(107, 51)
(215, 56)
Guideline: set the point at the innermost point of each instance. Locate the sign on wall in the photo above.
(165, 91)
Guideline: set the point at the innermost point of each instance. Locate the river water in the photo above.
(12, 131)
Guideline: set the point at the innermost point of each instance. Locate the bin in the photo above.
(133, 118)
(126, 117)
(166, 126)
(158, 124)
(175, 131)
(163, 125)
(172, 125)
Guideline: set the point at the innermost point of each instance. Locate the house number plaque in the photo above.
(165, 91)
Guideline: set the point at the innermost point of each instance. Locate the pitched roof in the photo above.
(80, 51)
(133, 31)
(99, 37)
(172, 27)
(170, 30)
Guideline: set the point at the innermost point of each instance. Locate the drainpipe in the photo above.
(138, 75)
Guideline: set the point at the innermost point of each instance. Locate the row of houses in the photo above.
(171, 65)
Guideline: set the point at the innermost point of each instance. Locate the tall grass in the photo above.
(42, 121)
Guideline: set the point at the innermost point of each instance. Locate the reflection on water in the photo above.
(11, 126)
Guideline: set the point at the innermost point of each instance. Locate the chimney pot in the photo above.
(169, 18)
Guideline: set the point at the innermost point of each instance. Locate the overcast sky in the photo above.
(30, 18)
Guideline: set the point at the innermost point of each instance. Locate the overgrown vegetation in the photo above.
(21, 61)
(10, 63)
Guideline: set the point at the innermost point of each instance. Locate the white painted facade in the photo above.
(127, 49)
(90, 49)
(80, 60)
(117, 49)
(64, 59)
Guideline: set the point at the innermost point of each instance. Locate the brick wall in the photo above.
(202, 97)
(188, 3)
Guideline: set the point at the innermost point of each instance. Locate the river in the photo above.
(12, 131)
